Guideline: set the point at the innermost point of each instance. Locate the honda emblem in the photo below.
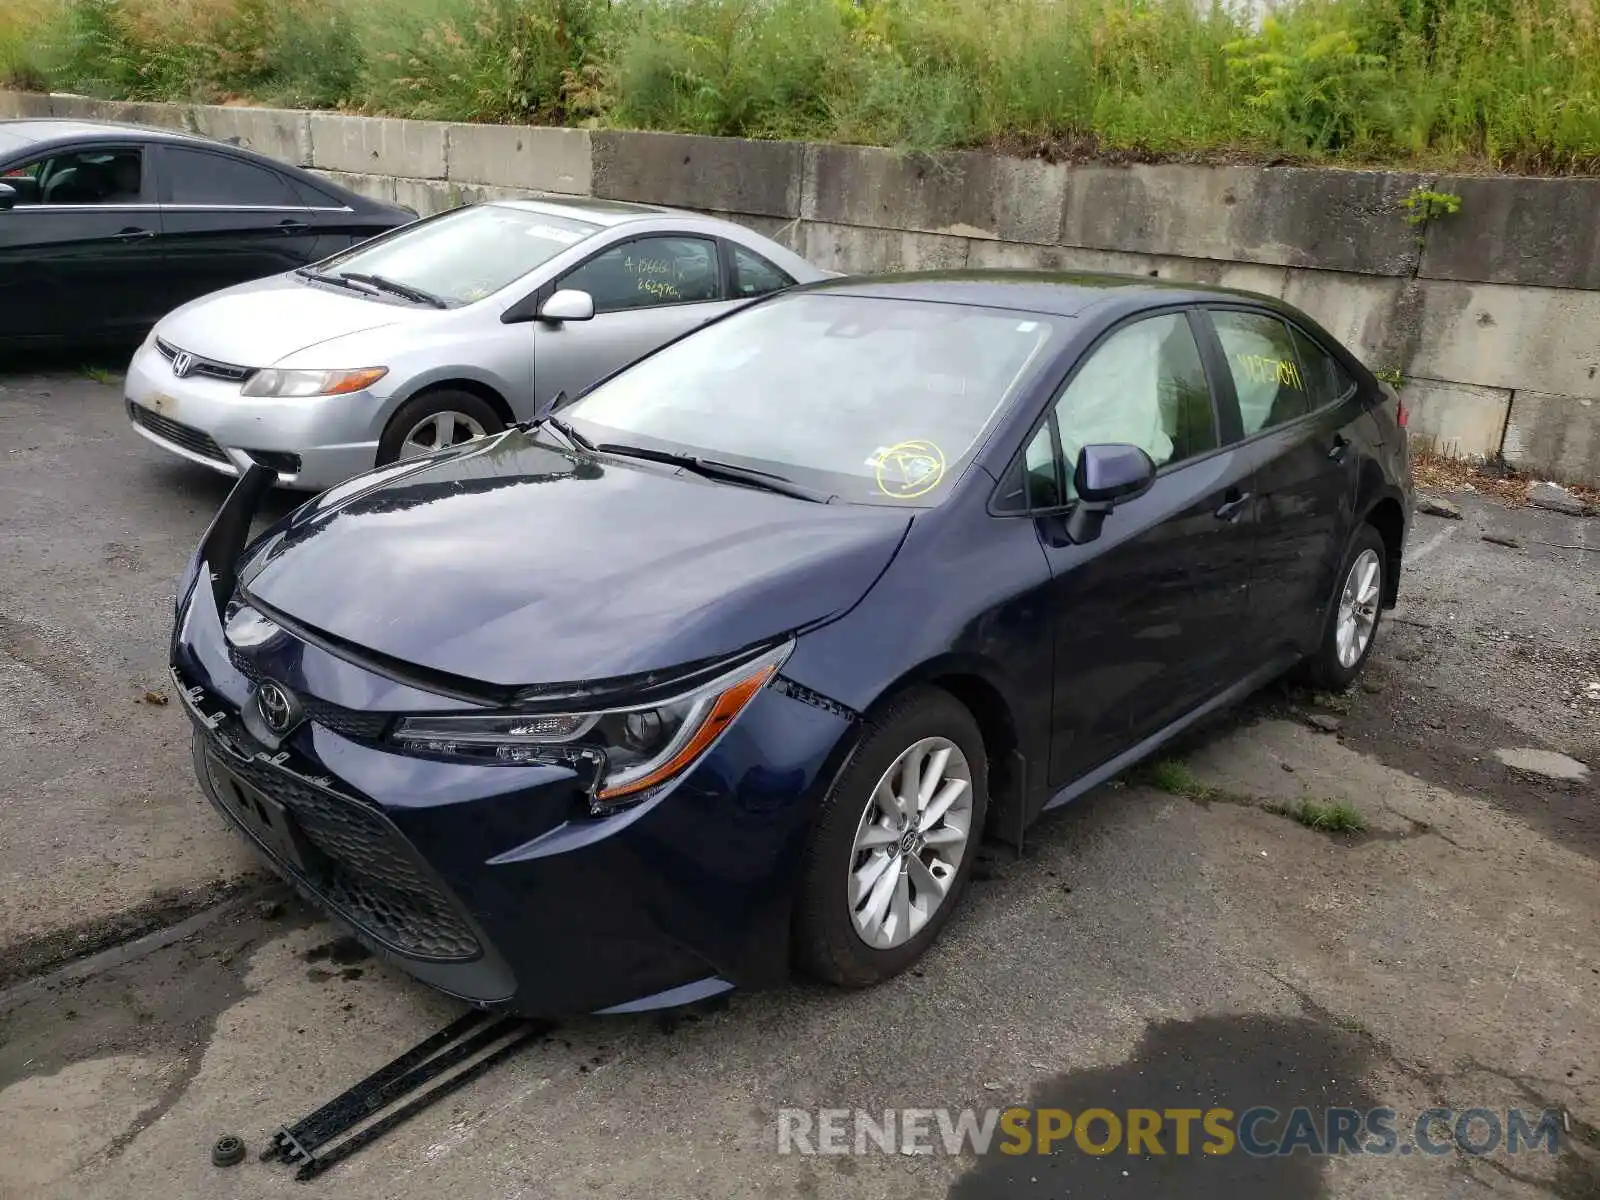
(182, 363)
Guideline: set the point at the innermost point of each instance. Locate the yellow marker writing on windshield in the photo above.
(918, 464)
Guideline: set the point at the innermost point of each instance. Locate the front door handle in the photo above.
(1341, 445)
(1233, 507)
(133, 234)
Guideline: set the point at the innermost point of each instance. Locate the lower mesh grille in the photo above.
(371, 875)
(176, 432)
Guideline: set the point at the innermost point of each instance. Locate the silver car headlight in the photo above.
(630, 750)
(283, 382)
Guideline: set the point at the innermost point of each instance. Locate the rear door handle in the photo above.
(1341, 444)
(292, 226)
(133, 234)
(1233, 508)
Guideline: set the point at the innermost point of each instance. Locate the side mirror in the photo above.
(568, 305)
(1106, 475)
(8, 197)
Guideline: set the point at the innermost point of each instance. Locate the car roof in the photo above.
(1054, 293)
(587, 208)
(43, 130)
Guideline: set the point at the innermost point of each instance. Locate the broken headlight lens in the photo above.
(631, 750)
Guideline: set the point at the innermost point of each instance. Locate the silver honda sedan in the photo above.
(446, 329)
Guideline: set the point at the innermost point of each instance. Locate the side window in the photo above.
(754, 275)
(1326, 380)
(1144, 386)
(1265, 369)
(106, 176)
(649, 272)
(195, 177)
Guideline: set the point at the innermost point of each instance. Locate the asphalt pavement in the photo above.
(1153, 949)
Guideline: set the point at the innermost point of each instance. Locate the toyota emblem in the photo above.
(277, 706)
(182, 362)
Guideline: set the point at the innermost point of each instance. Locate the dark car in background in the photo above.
(106, 227)
(731, 662)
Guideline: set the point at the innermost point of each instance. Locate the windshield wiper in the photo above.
(726, 472)
(344, 281)
(395, 287)
(577, 439)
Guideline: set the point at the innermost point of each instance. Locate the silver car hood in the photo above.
(258, 323)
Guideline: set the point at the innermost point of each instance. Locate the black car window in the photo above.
(754, 275)
(1326, 380)
(196, 177)
(1266, 372)
(101, 176)
(649, 272)
(1144, 386)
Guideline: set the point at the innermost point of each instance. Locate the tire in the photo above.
(828, 945)
(415, 412)
(1327, 668)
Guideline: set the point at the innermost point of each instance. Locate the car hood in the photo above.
(514, 564)
(258, 323)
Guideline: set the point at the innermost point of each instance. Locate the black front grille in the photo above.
(176, 432)
(346, 722)
(208, 367)
(371, 876)
(359, 864)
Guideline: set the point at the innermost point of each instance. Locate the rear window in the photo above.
(467, 254)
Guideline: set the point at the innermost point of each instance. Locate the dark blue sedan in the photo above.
(729, 664)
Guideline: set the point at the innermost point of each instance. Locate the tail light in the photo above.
(1400, 413)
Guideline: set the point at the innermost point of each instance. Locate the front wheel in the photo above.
(894, 843)
(435, 421)
(1352, 624)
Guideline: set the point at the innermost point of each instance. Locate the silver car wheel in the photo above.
(910, 842)
(437, 431)
(1358, 608)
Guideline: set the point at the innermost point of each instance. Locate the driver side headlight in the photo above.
(630, 750)
(280, 382)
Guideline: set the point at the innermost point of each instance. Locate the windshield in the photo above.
(877, 401)
(464, 255)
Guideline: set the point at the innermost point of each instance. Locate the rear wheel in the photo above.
(893, 846)
(1351, 628)
(436, 420)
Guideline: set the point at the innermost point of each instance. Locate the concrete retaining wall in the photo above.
(1491, 314)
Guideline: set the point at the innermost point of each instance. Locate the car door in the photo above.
(226, 220)
(79, 252)
(1295, 406)
(1147, 617)
(647, 290)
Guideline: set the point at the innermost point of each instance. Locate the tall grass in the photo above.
(1499, 83)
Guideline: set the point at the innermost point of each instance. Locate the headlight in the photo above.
(274, 381)
(629, 750)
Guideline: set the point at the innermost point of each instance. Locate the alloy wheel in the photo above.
(1358, 608)
(910, 842)
(437, 431)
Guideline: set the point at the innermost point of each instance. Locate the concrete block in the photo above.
(1366, 313)
(1534, 231)
(1555, 437)
(374, 187)
(961, 194)
(1457, 420)
(857, 251)
(378, 145)
(705, 173)
(1495, 335)
(1250, 277)
(283, 134)
(23, 104)
(522, 156)
(1285, 216)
